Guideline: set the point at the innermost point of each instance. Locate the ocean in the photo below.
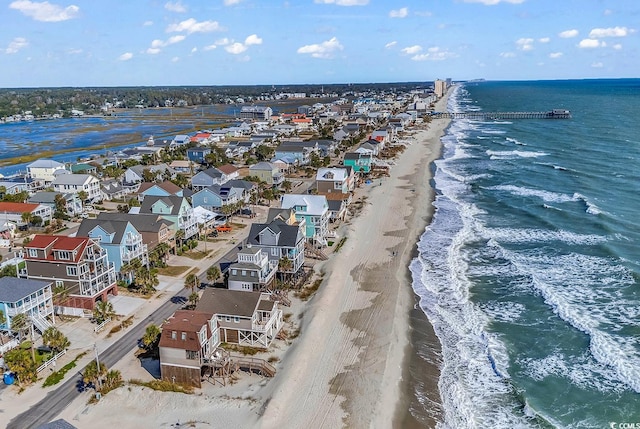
(529, 271)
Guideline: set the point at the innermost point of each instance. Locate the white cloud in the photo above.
(617, 46)
(74, 51)
(253, 40)
(324, 50)
(235, 48)
(494, 2)
(147, 23)
(222, 42)
(125, 57)
(567, 34)
(598, 33)
(591, 43)
(434, 54)
(192, 26)
(391, 44)
(175, 59)
(544, 40)
(555, 54)
(156, 44)
(344, 2)
(410, 50)
(525, 44)
(507, 54)
(194, 50)
(597, 65)
(16, 44)
(607, 12)
(400, 13)
(231, 2)
(45, 11)
(175, 6)
(153, 51)
(208, 48)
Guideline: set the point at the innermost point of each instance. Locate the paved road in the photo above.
(57, 400)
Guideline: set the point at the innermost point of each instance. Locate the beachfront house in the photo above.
(76, 183)
(78, 264)
(244, 318)
(187, 339)
(119, 238)
(313, 210)
(30, 297)
(335, 179)
(253, 271)
(360, 162)
(279, 240)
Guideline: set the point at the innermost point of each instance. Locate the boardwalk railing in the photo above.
(102, 325)
(552, 114)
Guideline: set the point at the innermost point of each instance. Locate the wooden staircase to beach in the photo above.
(312, 252)
(253, 365)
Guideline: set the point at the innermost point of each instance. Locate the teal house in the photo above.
(360, 162)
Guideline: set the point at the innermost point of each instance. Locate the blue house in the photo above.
(300, 154)
(31, 297)
(119, 238)
(163, 189)
(214, 197)
(198, 154)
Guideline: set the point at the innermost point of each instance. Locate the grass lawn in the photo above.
(172, 270)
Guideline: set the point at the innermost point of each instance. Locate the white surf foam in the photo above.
(548, 196)
(511, 154)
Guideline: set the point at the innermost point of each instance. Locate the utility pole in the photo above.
(99, 382)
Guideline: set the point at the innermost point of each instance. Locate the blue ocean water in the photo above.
(530, 269)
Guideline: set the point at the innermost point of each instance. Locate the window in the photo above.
(253, 273)
(72, 271)
(234, 272)
(192, 355)
(174, 335)
(244, 272)
(59, 283)
(63, 254)
(274, 251)
(227, 318)
(33, 253)
(183, 336)
(236, 319)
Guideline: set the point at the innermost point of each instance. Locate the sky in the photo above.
(244, 42)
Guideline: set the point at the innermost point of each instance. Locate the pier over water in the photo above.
(552, 114)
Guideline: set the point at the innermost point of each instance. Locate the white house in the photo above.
(75, 183)
(44, 169)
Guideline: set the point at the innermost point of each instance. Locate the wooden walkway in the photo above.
(552, 114)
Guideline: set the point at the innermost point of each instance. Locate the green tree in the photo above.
(93, 373)
(193, 298)
(20, 361)
(191, 282)
(3, 322)
(285, 265)
(213, 274)
(83, 195)
(287, 185)
(103, 311)
(26, 217)
(9, 271)
(20, 323)
(55, 340)
(151, 336)
(112, 380)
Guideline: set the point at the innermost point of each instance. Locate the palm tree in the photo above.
(191, 281)
(20, 324)
(179, 236)
(3, 321)
(60, 294)
(92, 373)
(112, 380)
(55, 340)
(103, 311)
(151, 336)
(193, 298)
(213, 274)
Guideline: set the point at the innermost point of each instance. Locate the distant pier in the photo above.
(551, 114)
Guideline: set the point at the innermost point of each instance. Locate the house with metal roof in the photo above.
(253, 271)
(76, 183)
(31, 297)
(43, 169)
(280, 238)
(314, 210)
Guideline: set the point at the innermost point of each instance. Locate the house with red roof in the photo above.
(12, 212)
(78, 264)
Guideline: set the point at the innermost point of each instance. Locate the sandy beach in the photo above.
(348, 367)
